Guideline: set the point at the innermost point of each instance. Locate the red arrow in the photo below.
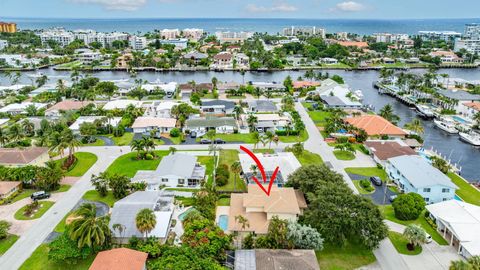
(262, 171)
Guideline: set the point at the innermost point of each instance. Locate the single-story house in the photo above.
(415, 174)
(75, 127)
(336, 96)
(458, 95)
(270, 122)
(65, 105)
(120, 259)
(376, 126)
(19, 108)
(145, 124)
(194, 57)
(459, 223)
(217, 107)
(125, 211)
(121, 104)
(270, 86)
(262, 106)
(382, 150)
(17, 157)
(174, 170)
(203, 124)
(161, 109)
(222, 88)
(7, 188)
(469, 109)
(169, 88)
(276, 259)
(305, 84)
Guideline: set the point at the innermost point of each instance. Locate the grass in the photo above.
(465, 190)
(235, 137)
(60, 228)
(84, 162)
(128, 164)
(223, 202)
(344, 155)
(123, 140)
(400, 244)
(24, 194)
(308, 158)
(186, 201)
(389, 214)
(349, 257)
(97, 142)
(293, 139)
(368, 171)
(208, 162)
(229, 157)
(63, 188)
(43, 207)
(319, 117)
(7, 242)
(93, 195)
(39, 261)
(360, 189)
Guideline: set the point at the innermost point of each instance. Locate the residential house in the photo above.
(124, 60)
(65, 105)
(217, 107)
(336, 96)
(447, 56)
(87, 57)
(458, 96)
(170, 88)
(304, 84)
(120, 259)
(7, 188)
(241, 61)
(194, 58)
(376, 126)
(223, 60)
(125, 211)
(469, 109)
(16, 157)
(121, 104)
(415, 174)
(276, 259)
(179, 43)
(219, 124)
(270, 86)
(259, 208)
(328, 61)
(262, 106)
(382, 150)
(459, 223)
(20, 108)
(162, 109)
(145, 124)
(225, 87)
(175, 170)
(186, 90)
(270, 121)
(75, 127)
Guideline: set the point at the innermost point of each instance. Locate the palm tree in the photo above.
(137, 145)
(236, 168)
(415, 235)
(254, 169)
(476, 117)
(28, 127)
(415, 126)
(88, 229)
(120, 228)
(173, 150)
(460, 265)
(15, 132)
(388, 113)
(145, 221)
(242, 221)
(269, 136)
(237, 110)
(251, 121)
(72, 144)
(3, 137)
(256, 139)
(440, 164)
(148, 143)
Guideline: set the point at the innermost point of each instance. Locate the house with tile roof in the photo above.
(120, 259)
(7, 188)
(65, 105)
(382, 150)
(275, 259)
(376, 126)
(17, 157)
(145, 124)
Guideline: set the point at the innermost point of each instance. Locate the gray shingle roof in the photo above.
(263, 106)
(211, 122)
(333, 101)
(228, 104)
(177, 164)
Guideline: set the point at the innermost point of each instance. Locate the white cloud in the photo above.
(279, 7)
(122, 5)
(349, 6)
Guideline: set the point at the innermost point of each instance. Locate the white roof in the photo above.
(90, 119)
(463, 219)
(3, 121)
(286, 161)
(121, 104)
(167, 87)
(14, 107)
(166, 105)
(270, 117)
(14, 87)
(142, 122)
(163, 224)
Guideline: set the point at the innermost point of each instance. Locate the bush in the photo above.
(148, 156)
(175, 132)
(222, 175)
(408, 206)
(284, 133)
(364, 149)
(64, 249)
(366, 185)
(4, 226)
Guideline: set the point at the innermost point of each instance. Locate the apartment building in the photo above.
(304, 31)
(137, 43)
(170, 33)
(193, 34)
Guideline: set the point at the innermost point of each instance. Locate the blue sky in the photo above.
(329, 9)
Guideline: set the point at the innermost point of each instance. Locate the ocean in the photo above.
(272, 26)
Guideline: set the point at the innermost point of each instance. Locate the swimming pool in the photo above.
(223, 222)
(184, 214)
(458, 198)
(460, 119)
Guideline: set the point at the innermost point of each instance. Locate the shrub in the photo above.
(4, 226)
(222, 175)
(284, 132)
(64, 249)
(148, 156)
(366, 185)
(175, 132)
(408, 206)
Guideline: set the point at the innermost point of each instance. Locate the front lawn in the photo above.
(293, 139)
(235, 137)
(400, 244)
(318, 116)
(84, 162)
(43, 207)
(63, 188)
(368, 171)
(39, 261)
(362, 190)
(308, 158)
(229, 157)
(97, 142)
(93, 195)
(24, 194)
(344, 155)
(128, 164)
(186, 201)
(7, 242)
(126, 139)
(466, 191)
(223, 202)
(388, 213)
(349, 257)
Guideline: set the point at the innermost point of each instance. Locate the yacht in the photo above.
(425, 111)
(472, 138)
(446, 125)
(359, 94)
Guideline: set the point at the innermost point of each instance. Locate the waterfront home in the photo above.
(179, 43)
(336, 96)
(75, 127)
(186, 90)
(258, 208)
(217, 107)
(415, 174)
(17, 157)
(447, 56)
(469, 109)
(225, 87)
(203, 124)
(382, 150)
(169, 88)
(18, 60)
(269, 86)
(286, 161)
(270, 121)
(241, 61)
(459, 223)
(194, 57)
(124, 60)
(120, 258)
(275, 259)
(121, 104)
(298, 60)
(262, 106)
(125, 211)
(357, 44)
(328, 61)
(20, 108)
(64, 106)
(12, 88)
(87, 57)
(458, 96)
(7, 188)
(304, 84)
(222, 60)
(174, 170)
(145, 124)
(162, 109)
(376, 126)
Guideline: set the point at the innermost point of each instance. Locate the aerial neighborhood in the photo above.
(199, 149)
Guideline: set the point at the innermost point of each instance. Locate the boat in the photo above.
(446, 125)
(425, 111)
(359, 94)
(472, 138)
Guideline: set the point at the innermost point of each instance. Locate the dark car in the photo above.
(376, 180)
(205, 141)
(219, 141)
(193, 134)
(40, 195)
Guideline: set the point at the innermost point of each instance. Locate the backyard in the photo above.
(466, 191)
(84, 162)
(128, 164)
(39, 261)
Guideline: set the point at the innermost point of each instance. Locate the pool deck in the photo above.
(222, 210)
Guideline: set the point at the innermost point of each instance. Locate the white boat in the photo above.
(359, 94)
(425, 111)
(472, 138)
(446, 125)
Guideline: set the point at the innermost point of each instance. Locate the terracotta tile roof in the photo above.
(375, 125)
(473, 105)
(142, 122)
(359, 44)
(119, 259)
(301, 84)
(223, 56)
(21, 156)
(69, 105)
(6, 186)
(384, 150)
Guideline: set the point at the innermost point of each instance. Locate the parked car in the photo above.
(376, 180)
(40, 195)
(429, 238)
(219, 141)
(193, 134)
(205, 141)
(392, 198)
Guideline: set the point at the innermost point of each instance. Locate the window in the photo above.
(444, 199)
(181, 181)
(445, 190)
(164, 179)
(427, 199)
(426, 190)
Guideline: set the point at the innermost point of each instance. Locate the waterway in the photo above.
(467, 156)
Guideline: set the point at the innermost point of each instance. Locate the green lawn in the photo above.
(368, 171)
(97, 142)
(84, 162)
(6, 243)
(263, 151)
(293, 139)
(24, 194)
(307, 158)
(44, 206)
(466, 191)
(223, 202)
(92, 195)
(208, 162)
(349, 257)
(319, 117)
(63, 188)
(123, 140)
(389, 214)
(400, 244)
(235, 137)
(360, 189)
(60, 228)
(229, 157)
(39, 261)
(344, 155)
(128, 164)
(186, 201)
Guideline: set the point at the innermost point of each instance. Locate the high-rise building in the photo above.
(448, 36)
(193, 33)
(170, 33)
(137, 43)
(63, 37)
(8, 27)
(304, 31)
(390, 38)
(471, 39)
(233, 36)
(472, 31)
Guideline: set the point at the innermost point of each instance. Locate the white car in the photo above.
(429, 238)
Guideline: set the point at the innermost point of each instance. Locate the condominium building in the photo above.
(472, 31)
(471, 39)
(170, 33)
(233, 37)
(304, 31)
(193, 33)
(64, 37)
(8, 27)
(137, 43)
(448, 36)
(390, 38)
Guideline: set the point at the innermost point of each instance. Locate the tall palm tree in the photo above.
(388, 113)
(145, 221)
(72, 144)
(236, 169)
(28, 127)
(256, 139)
(242, 221)
(415, 235)
(237, 110)
(15, 132)
(88, 229)
(269, 136)
(415, 126)
(137, 145)
(254, 169)
(251, 121)
(173, 150)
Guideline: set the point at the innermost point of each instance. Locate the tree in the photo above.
(205, 201)
(28, 128)
(48, 178)
(256, 139)
(408, 206)
(64, 249)
(138, 93)
(172, 150)
(137, 145)
(388, 113)
(106, 88)
(297, 149)
(415, 126)
(415, 235)
(4, 227)
(145, 221)
(88, 129)
(237, 110)
(304, 236)
(236, 169)
(243, 221)
(183, 257)
(88, 229)
(119, 184)
(120, 228)
(269, 136)
(460, 265)
(288, 83)
(440, 164)
(252, 120)
(100, 183)
(338, 79)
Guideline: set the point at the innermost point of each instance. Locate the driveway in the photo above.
(381, 194)
(361, 160)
